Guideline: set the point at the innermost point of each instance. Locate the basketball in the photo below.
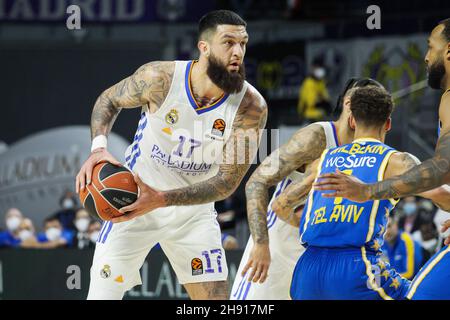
(112, 187)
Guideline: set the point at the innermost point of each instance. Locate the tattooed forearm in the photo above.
(426, 176)
(238, 154)
(148, 86)
(303, 148)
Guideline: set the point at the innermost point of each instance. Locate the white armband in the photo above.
(99, 142)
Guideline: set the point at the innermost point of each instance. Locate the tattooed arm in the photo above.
(430, 174)
(238, 154)
(306, 145)
(295, 194)
(148, 86)
(401, 162)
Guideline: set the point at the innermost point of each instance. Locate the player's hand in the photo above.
(342, 185)
(445, 226)
(84, 176)
(149, 199)
(258, 263)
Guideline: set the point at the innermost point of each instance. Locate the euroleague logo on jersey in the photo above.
(218, 127)
(197, 266)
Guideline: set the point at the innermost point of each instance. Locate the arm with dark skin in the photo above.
(238, 154)
(305, 146)
(148, 86)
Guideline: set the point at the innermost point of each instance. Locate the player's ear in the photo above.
(203, 46)
(388, 124)
(447, 54)
(352, 122)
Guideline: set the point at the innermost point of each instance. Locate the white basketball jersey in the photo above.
(284, 245)
(181, 143)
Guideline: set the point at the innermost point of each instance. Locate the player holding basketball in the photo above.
(278, 240)
(343, 239)
(430, 174)
(184, 158)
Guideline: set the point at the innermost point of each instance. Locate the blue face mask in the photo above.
(409, 208)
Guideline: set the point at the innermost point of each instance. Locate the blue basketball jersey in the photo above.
(341, 223)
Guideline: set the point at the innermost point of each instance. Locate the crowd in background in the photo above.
(69, 227)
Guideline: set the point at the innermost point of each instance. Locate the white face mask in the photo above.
(13, 223)
(319, 73)
(53, 234)
(94, 236)
(68, 204)
(429, 244)
(82, 224)
(25, 234)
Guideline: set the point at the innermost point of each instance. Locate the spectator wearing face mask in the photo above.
(27, 234)
(55, 236)
(94, 232)
(10, 237)
(401, 251)
(66, 214)
(410, 222)
(82, 221)
(314, 100)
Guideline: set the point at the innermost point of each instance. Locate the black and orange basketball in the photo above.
(112, 188)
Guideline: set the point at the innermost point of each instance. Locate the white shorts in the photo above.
(189, 236)
(285, 250)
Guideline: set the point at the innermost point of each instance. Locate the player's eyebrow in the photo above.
(228, 35)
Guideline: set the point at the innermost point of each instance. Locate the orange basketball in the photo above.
(112, 187)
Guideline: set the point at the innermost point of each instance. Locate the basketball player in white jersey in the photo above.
(183, 159)
(276, 241)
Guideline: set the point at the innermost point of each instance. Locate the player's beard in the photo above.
(436, 73)
(230, 82)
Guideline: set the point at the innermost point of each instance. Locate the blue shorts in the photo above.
(433, 280)
(345, 274)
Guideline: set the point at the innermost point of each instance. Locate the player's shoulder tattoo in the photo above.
(155, 78)
(252, 112)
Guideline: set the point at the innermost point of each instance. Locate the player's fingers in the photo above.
(114, 161)
(82, 178)
(77, 184)
(445, 225)
(138, 181)
(252, 272)
(247, 266)
(330, 195)
(264, 274)
(447, 241)
(129, 208)
(325, 181)
(257, 275)
(89, 170)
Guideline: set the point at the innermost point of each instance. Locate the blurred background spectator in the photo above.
(82, 223)
(402, 252)
(10, 237)
(54, 235)
(66, 214)
(314, 100)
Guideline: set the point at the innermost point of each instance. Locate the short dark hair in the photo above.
(371, 105)
(446, 31)
(212, 19)
(353, 83)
